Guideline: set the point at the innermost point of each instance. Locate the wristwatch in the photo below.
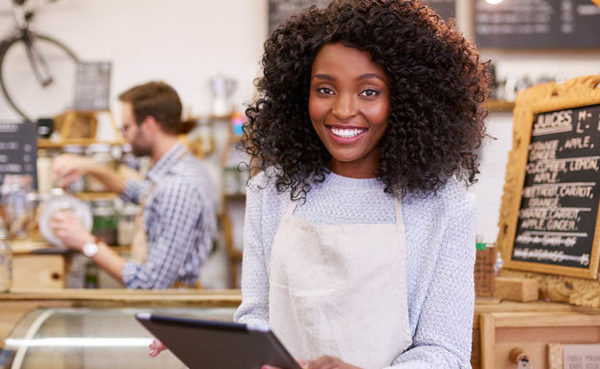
(90, 249)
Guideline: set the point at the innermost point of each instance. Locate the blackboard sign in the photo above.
(18, 149)
(281, 10)
(539, 24)
(92, 86)
(559, 208)
(549, 218)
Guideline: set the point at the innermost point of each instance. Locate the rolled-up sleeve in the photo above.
(133, 190)
(178, 212)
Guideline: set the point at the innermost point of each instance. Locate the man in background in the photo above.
(176, 224)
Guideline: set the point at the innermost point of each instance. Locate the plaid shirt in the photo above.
(180, 221)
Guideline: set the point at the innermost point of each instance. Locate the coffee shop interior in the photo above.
(537, 254)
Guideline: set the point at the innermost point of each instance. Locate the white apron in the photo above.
(340, 290)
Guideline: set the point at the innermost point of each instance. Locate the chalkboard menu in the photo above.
(559, 205)
(18, 149)
(281, 10)
(92, 86)
(537, 24)
(549, 216)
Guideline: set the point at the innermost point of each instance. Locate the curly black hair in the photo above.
(437, 87)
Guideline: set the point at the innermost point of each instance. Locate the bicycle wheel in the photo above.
(21, 89)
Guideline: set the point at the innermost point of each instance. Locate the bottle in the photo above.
(5, 259)
(91, 275)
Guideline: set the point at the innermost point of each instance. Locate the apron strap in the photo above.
(291, 207)
(399, 218)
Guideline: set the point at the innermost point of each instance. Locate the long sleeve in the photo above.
(255, 275)
(179, 216)
(443, 332)
(134, 190)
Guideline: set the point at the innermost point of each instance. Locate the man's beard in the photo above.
(140, 151)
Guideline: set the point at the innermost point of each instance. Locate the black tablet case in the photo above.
(218, 345)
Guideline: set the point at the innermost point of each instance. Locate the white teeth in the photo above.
(346, 133)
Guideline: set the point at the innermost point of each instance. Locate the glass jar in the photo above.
(126, 226)
(79, 184)
(231, 181)
(44, 171)
(102, 154)
(5, 259)
(244, 177)
(105, 221)
(91, 275)
(18, 204)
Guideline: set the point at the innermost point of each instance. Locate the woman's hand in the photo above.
(323, 362)
(156, 347)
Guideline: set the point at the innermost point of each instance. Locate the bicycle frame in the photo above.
(24, 32)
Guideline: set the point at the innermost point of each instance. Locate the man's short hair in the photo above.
(158, 100)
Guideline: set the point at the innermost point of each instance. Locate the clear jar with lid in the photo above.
(79, 184)
(105, 221)
(126, 226)
(18, 204)
(102, 154)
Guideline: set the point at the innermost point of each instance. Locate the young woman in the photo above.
(359, 235)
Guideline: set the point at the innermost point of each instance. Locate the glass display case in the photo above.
(91, 338)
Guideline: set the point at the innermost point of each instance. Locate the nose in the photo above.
(344, 107)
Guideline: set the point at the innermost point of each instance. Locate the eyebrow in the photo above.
(323, 76)
(327, 77)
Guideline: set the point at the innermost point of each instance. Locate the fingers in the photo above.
(156, 347)
(68, 168)
(60, 166)
(303, 364)
(67, 178)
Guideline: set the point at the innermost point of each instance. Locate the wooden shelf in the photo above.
(499, 105)
(235, 254)
(91, 196)
(44, 143)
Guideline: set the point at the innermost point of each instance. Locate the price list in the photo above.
(18, 149)
(560, 198)
(537, 24)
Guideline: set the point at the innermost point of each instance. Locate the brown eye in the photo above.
(325, 90)
(369, 93)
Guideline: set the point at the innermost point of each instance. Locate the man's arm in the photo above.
(68, 168)
(180, 209)
(72, 233)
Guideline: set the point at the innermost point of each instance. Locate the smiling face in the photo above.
(349, 106)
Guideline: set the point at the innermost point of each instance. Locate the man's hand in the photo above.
(69, 229)
(68, 168)
(323, 362)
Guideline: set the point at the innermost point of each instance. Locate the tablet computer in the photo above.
(215, 344)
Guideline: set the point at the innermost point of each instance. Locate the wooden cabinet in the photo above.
(534, 333)
(38, 271)
(38, 266)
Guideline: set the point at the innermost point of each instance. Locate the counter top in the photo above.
(126, 297)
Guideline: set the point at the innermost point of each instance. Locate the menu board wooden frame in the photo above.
(575, 93)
